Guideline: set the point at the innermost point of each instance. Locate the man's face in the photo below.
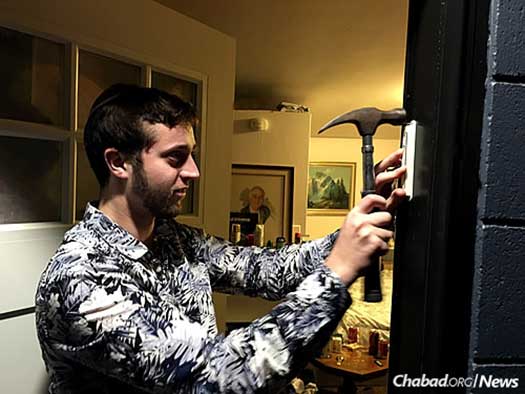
(256, 198)
(162, 180)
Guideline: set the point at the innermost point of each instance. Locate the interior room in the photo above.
(350, 55)
(263, 76)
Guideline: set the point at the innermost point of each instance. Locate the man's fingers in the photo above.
(368, 203)
(387, 177)
(384, 234)
(396, 198)
(392, 160)
(380, 219)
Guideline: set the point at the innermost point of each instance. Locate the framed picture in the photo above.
(331, 188)
(266, 191)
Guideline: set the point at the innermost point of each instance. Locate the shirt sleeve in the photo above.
(110, 326)
(260, 272)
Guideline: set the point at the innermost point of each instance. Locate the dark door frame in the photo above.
(434, 257)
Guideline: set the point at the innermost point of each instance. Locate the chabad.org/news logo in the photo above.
(476, 381)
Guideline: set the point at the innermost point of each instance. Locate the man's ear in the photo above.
(117, 166)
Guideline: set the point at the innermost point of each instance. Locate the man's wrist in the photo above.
(343, 269)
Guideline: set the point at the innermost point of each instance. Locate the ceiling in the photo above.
(331, 55)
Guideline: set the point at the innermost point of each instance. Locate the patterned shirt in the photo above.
(114, 316)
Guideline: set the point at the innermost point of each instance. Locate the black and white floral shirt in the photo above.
(114, 316)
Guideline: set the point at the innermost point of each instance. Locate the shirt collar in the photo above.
(112, 233)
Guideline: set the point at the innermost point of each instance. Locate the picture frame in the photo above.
(267, 190)
(331, 188)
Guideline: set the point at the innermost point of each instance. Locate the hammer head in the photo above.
(368, 119)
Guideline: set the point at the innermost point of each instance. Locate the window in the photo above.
(87, 185)
(30, 180)
(32, 71)
(97, 73)
(49, 89)
(33, 117)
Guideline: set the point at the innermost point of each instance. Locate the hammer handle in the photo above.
(373, 272)
(367, 120)
(369, 179)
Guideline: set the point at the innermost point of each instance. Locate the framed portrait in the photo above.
(266, 191)
(331, 188)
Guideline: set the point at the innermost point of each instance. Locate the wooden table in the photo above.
(356, 365)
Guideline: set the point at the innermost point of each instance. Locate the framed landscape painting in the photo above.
(331, 188)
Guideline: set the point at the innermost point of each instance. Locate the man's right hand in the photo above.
(361, 237)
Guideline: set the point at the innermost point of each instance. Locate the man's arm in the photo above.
(107, 324)
(264, 272)
(271, 273)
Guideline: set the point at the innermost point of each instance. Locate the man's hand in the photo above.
(364, 232)
(387, 171)
(361, 237)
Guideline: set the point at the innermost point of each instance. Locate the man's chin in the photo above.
(173, 210)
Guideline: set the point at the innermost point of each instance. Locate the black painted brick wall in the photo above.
(503, 160)
(508, 38)
(502, 295)
(498, 310)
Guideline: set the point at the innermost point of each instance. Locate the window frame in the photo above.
(71, 135)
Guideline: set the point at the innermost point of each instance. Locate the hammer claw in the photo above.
(345, 118)
(367, 119)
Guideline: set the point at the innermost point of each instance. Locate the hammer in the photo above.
(367, 120)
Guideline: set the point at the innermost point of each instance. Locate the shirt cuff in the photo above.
(324, 286)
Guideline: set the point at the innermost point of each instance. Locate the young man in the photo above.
(125, 304)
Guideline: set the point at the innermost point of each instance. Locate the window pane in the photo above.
(190, 203)
(32, 76)
(95, 74)
(87, 184)
(30, 180)
(188, 91)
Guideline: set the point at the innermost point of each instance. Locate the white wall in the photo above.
(23, 253)
(147, 32)
(21, 367)
(285, 143)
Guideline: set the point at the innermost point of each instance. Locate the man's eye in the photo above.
(178, 157)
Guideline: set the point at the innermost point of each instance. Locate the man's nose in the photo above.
(190, 169)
